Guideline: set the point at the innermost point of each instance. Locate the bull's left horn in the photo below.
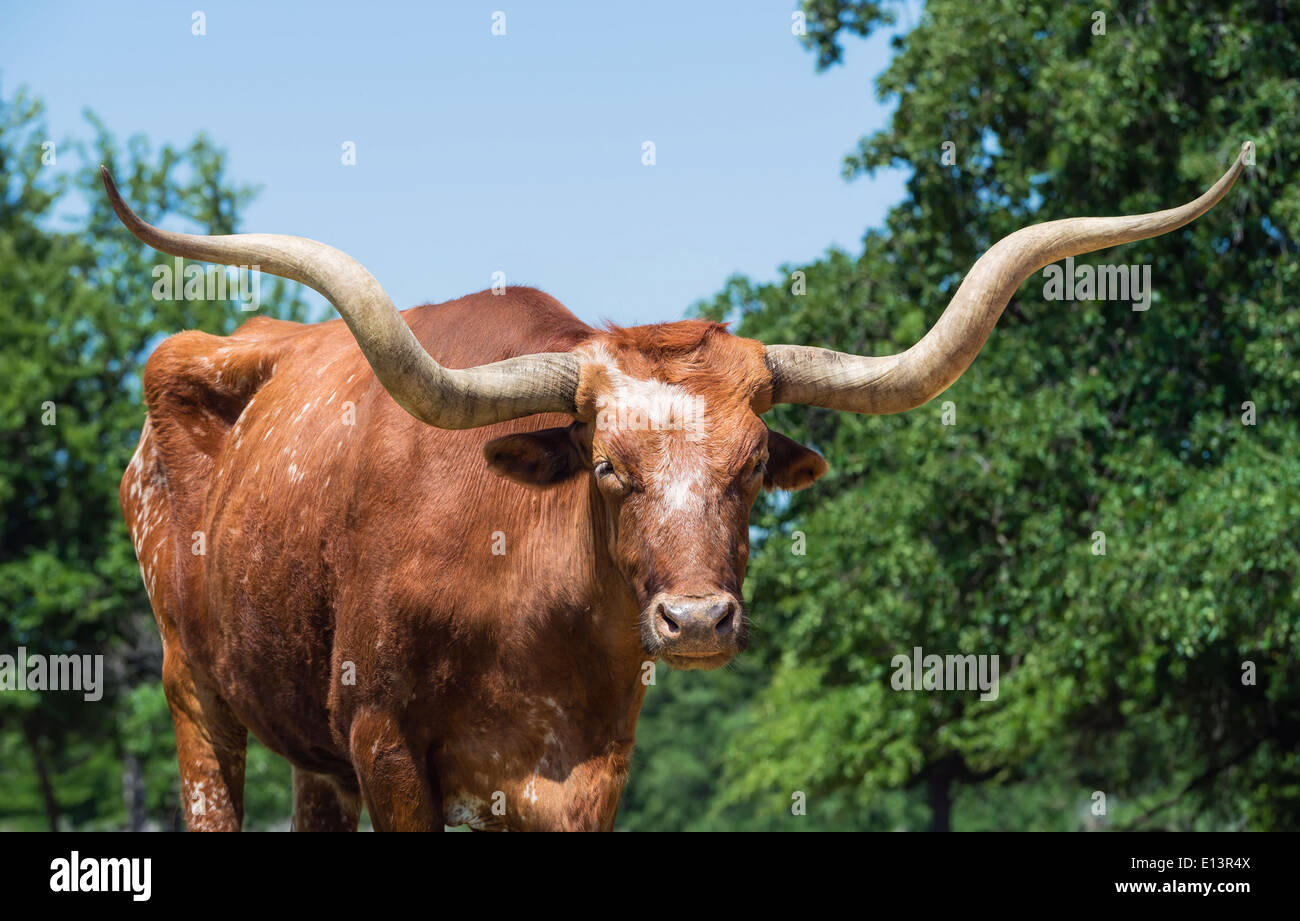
(895, 383)
(448, 398)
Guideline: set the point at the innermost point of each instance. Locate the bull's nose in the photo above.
(705, 623)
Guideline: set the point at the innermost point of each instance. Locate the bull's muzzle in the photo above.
(696, 631)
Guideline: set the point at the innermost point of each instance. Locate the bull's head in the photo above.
(670, 437)
(667, 418)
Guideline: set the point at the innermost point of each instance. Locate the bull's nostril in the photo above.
(671, 627)
(723, 627)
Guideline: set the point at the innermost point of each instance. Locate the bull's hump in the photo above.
(487, 326)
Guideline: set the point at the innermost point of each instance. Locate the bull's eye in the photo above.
(609, 480)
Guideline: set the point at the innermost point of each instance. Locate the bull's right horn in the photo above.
(895, 383)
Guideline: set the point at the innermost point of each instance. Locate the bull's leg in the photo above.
(210, 747)
(320, 805)
(394, 777)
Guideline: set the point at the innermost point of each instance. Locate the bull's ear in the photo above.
(790, 465)
(541, 458)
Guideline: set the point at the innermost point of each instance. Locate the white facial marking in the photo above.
(679, 475)
(650, 405)
(681, 486)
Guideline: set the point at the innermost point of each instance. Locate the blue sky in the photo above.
(479, 153)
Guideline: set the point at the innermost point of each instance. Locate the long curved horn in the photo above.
(895, 383)
(444, 397)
